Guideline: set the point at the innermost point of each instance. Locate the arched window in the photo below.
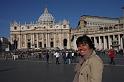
(15, 28)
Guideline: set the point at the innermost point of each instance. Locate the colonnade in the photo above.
(105, 41)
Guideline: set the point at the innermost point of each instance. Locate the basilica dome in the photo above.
(46, 17)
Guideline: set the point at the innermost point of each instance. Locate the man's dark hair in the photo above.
(85, 40)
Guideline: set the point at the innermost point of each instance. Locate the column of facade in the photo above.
(68, 41)
(59, 38)
(11, 39)
(60, 41)
(54, 40)
(32, 40)
(19, 42)
(61, 46)
(45, 41)
(48, 40)
(42, 40)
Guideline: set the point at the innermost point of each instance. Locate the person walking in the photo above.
(64, 57)
(57, 55)
(90, 66)
(111, 54)
(47, 57)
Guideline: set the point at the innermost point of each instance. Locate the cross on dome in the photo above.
(46, 11)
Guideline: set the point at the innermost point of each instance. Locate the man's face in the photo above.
(83, 49)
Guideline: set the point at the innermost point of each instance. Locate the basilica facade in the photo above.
(105, 32)
(44, 33)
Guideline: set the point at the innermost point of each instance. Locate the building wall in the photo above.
(100, 21)
(102, 30)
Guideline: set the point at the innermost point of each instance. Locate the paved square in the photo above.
(38, 71)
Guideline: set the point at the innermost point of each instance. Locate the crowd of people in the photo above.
(65, 56)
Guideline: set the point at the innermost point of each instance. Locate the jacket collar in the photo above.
(92, 53)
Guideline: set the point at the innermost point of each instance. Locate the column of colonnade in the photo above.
(104, 43)
(122, 41)
(109, 41)
(95, 42)
(119, 41)
(100, 43)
